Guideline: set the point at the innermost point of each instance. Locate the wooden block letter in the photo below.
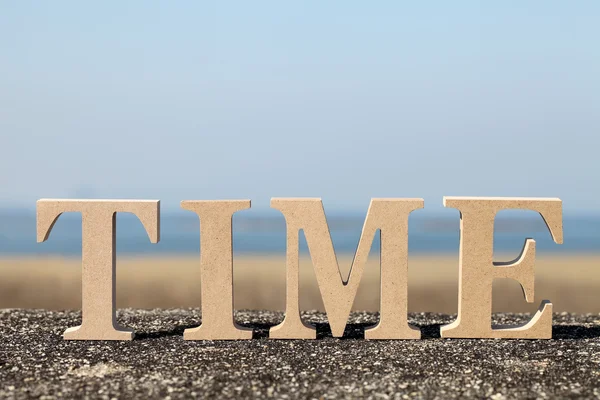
(388, 215)
(216, 270)
(98, 317)
(477, 269)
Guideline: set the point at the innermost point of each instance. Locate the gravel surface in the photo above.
(36, 362)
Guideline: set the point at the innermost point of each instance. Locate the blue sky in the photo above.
(344, 101)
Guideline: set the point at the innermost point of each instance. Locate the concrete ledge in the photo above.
(36, 362)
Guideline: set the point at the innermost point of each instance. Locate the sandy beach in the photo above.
(571, 282)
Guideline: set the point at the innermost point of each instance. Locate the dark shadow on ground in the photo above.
(357, 331)
(352, 331)
(177, 331)
(575, 332)
(431, 331)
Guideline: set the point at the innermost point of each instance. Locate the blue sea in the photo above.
(263, 233)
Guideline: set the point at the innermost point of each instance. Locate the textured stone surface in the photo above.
(36, 362)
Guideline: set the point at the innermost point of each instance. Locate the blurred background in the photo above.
(344, 101)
